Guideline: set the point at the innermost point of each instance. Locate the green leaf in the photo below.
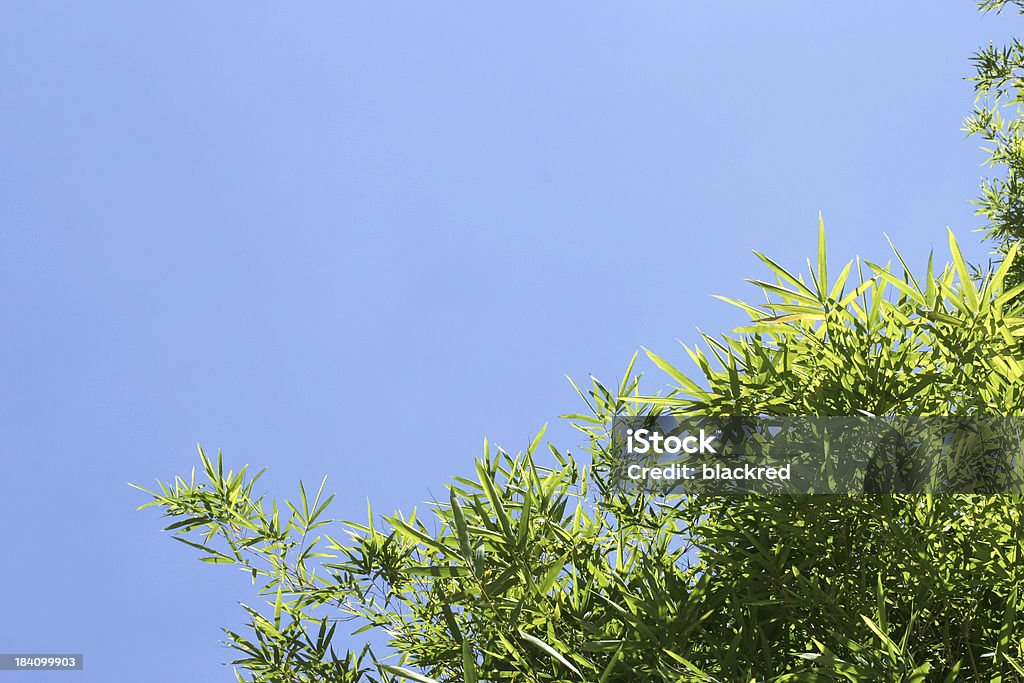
(822, 259)
(487, 481)
(533, 640)
(468, 663)
(551, 575)
(461, 528)
(407, 673)
(674, 373)
(278, 604)
(967, 287)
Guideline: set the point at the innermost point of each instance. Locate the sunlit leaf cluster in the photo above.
(998, 120)
(867, 340)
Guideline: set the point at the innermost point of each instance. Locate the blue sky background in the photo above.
(290, 230)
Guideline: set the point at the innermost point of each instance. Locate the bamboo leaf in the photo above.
(533, 640)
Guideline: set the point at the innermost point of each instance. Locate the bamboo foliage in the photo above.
(534, 569)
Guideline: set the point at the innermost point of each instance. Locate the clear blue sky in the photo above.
(277, 227)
